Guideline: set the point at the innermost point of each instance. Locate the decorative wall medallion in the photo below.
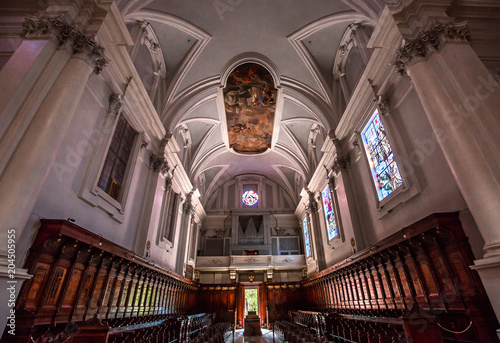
(250, 104)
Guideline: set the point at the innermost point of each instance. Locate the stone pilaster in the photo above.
(461, 100)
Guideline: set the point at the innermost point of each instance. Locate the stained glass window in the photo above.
(250, 198)
(331, 220)
(307, 240)
(384, 169)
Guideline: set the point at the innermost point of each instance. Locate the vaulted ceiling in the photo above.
(185, 50)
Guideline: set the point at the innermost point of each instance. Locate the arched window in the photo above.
(384, 169)
(307, 240)
(113, 172)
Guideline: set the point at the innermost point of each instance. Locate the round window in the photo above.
(250, 198)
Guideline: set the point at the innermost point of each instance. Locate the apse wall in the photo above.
(228, 196)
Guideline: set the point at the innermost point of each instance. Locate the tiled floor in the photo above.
(267, 337)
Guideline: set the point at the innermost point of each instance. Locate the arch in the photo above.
(250, 57)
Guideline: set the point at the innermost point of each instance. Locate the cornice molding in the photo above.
(411, 16)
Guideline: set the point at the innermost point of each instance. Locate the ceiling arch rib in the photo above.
(310, 101)
(368, 8)
(211, 176)
(197, 94)
(289, 176)
(299, 132)
(134, 6)
(261, 164)
(297, 38)
(202, 38)
(200, 132)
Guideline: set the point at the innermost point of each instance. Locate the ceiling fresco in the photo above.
(250, 105)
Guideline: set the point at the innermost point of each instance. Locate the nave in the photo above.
(181, 170)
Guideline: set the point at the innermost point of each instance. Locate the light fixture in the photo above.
(100, 240)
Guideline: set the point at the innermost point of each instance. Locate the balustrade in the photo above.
(78, 276)
(418, 278)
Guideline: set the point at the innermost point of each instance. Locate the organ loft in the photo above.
(249, 171)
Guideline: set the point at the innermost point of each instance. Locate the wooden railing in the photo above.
(78, 275)
(416, 280)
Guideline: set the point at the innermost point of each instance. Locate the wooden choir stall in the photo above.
(87, 288)
(414, 286)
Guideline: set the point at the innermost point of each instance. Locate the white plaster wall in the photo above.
(59, 197)
(438, 189)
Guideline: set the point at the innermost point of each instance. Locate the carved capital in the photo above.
(40, 25)
(312, 205)
(311, 208)
(340, 162)
(87, 48)
(383, 105)
(115, 103)
(331, 183)
(168, 183)
(84, 46)
(429, 41)
(187, 207)
(159, 163)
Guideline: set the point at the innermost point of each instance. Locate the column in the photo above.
(28, 168)
(461, 99)
(24, 175)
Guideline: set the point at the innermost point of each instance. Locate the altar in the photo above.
(252, 325)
